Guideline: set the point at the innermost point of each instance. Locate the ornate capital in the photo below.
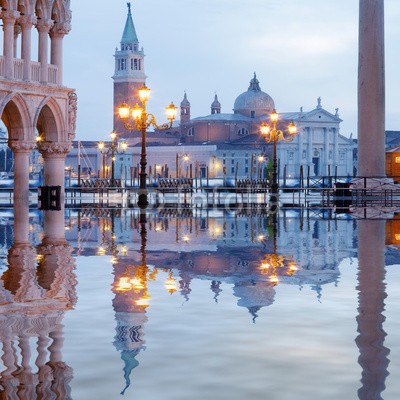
(44, 25)
(60, 29)
(9, 16)
(21, 146)
(54, 149)
(25, 250)
(27, 21)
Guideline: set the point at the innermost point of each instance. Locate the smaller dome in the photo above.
(185, 102)
(216, 103)
(254, 102)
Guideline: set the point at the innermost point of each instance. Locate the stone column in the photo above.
(57, 34)
(21, 150)
(26, 21)
(9, 17)
(54, 163)
(371, 90)
(43, 26)
(17, 31)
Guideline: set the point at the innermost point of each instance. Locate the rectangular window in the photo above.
(397, 160)
(246, 170)
(233, 170)
(135, 64)
(233, 162)
(246, 161)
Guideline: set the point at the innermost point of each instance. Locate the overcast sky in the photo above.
(300, 50)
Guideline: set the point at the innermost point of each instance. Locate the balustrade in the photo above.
(18, 71)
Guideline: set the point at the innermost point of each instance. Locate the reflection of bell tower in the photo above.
(130, 303)
(129, 73)
(34, 299)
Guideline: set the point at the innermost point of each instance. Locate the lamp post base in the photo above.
(143, 201)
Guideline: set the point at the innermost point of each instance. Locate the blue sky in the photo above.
(300, 50)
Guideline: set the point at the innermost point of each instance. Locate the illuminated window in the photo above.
(397, 160)
(397, 237)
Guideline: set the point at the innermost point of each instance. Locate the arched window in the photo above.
(191, 131)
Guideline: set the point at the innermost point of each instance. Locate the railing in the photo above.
(18, 71)
(53, 74)
(35, 71)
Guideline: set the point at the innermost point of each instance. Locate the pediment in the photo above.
(320, 115)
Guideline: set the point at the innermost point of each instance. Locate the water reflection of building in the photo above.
(35, 291)
(228, 248)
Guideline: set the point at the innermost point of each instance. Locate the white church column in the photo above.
(26, 21)
(326, 145)
(57, 35)
(9, 17)
(335, 150)
(371, 90)
(43, 26)
(21, 152)
(310, 150)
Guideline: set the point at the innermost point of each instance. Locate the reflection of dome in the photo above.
(254, 102)
(254, 295)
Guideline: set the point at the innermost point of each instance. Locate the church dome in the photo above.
(254, 102)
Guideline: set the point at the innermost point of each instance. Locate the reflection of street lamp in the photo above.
(184, 157)
(141, 121)
(271, 134)
(115, 148)
(274, 261)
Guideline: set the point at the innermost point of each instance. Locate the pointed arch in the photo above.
(49, 121)
(25, 7)
(16, 117)
(8, 4)
(61, 12)
(43, 8)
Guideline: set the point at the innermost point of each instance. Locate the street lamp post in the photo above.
(272, 134)
(115, 148)
(141, 121)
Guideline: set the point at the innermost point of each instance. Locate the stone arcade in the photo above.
(35, 107)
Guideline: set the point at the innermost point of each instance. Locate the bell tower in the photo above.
(129, 73)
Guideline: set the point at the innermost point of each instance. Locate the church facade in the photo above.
(318, 148)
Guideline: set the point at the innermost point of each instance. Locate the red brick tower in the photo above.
(129, 73)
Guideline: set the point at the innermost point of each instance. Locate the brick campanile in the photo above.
(129, 74)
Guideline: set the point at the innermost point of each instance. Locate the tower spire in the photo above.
(129, 34)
